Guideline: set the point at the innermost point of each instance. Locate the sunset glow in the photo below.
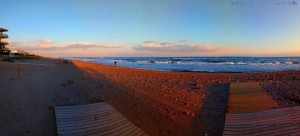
(151, 28)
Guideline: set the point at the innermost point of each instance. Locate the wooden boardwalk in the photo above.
(93, 120)
(281, 122)
(247, 97)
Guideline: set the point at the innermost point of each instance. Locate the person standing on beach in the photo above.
(115, 63)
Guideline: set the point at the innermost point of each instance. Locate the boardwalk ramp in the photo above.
(247, 97)
(279, 122)
(97, 119)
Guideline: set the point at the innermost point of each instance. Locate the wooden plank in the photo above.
(100, 131)
(93, 119)
(89, 118)
(81, 114)
(127, 131)
(271, 122)
(278, 131)
(108, 131)
(87, 113)
(70, 108)
(66, 117)
(90, 124)
(249, 97)
(98, 109)
(102, 127)
(234, 133)
(266, 130)
(133, 133)
(139, 133)
(257, 124)
(266, 127)
(123, 130)
(259, 117)
(102, 104)
(87, 109)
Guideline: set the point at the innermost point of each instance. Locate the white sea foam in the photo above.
(207, 64)
(289, 63)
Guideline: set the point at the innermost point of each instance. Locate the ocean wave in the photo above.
(207, 71)
(277, 63)
(214, 63)
(295, 62)
(146, 61)
(202, 64)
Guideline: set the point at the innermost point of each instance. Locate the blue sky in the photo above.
(152, 28)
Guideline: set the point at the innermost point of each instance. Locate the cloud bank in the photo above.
(84, 45)
(50, 48)
(46, 47)
(149, 41)
(177, 47)
(45, 44)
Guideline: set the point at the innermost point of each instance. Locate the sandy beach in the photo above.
(160, 103)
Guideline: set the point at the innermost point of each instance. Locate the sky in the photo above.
(121, 28)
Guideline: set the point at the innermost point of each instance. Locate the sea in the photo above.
(201, 64)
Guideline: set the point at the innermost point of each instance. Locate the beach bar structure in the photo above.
(3, 49)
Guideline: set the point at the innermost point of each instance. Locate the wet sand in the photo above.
(160, 103)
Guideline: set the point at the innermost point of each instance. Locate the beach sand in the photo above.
(160, 103)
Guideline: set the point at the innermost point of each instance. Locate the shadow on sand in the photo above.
(142, 109)
(213, 113)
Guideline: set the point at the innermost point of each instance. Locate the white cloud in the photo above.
(46, 47)
(44, 44)
(44, 41)
(183, 41)
(165, 43)
(174, 47)
(149, 41)
(85, 45)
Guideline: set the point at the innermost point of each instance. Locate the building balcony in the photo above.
(4, 43)
(3, 30)
(3, 35)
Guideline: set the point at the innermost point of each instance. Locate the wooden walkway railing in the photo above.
(281, 122)
(93, 119)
